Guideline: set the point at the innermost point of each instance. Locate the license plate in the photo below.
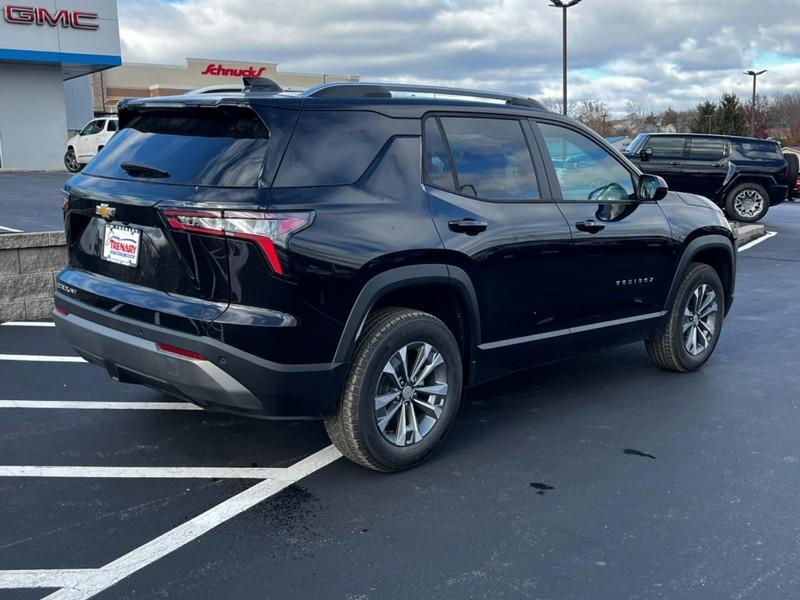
(121, 245)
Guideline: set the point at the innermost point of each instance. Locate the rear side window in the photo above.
(491, 158)
(666, 147)
(438, 170)
(706, 148)
(212, 147)
(112, 125)
(755, 150)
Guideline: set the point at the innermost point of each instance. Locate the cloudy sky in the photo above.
(656, 53)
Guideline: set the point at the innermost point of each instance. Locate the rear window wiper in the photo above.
(137, 170)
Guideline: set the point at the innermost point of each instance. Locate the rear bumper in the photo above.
(778, 194)
(227, 380)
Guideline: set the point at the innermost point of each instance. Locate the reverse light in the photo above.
(180, 351)
(265, 229)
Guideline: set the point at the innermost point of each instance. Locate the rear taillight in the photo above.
(265, 229)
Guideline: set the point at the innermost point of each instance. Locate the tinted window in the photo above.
(585, 170)
(438, 171)
(756, 150)
(666, 146)
(222, 147)
(112, 125)
(93, 128)
(337, 147)
(706, 148)
(491, 158)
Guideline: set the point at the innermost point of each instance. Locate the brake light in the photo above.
(265, 229)
(180, 351)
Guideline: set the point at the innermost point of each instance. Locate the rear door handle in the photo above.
(468, 226)
(674, 164)
(590, 226)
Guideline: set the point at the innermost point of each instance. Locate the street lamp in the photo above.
(754, 75)
(564, 5)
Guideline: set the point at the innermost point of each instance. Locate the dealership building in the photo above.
(48, 51)
(60, 66)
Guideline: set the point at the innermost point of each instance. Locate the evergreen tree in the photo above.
(731, 116)
(705, 118)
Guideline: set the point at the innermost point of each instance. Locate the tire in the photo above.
(748, 202)
(669, 348)
(71, 161)
(793, 170)
(355, 429)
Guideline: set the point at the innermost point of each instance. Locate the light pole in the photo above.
(754, 75)
(564, 5)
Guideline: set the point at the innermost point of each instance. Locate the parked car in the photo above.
(745, 176)
(361, 256)
(93, 137)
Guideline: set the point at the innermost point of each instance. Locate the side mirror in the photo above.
(646, 154)
(652, 188)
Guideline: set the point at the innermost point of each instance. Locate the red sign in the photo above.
(28, 15)
(220, 70)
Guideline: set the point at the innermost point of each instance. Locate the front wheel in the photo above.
(71, 161)
(402, 392)
(694, 322)
(748, 202)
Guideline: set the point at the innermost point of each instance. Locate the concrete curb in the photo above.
(28, 265)
(748, 232)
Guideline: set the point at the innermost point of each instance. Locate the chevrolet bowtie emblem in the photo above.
(105, 211)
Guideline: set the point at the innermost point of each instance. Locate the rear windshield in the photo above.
(756, 150)
(213, 147)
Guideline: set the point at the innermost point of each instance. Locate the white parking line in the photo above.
(39, 358)
(91, 405)
(144, 472)
(83, 584)
(757, 241)
(28, 324)
(43, 579)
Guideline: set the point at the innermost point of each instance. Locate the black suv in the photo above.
(361, 253)
(745, 176)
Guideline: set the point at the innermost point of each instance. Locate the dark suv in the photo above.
(745, 176)
(361, 253)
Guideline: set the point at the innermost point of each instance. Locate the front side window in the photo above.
(93, 128)
(585, 170)
(491, 158)
(666, 146)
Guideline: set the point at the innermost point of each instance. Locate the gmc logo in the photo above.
(28, 15)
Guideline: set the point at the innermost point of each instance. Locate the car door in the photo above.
(623, 253)
(86, 145)
(487, 198)
(664, 155)
(706, 165)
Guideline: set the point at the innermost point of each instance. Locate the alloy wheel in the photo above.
(748, 203)
(411, 393)
(72, 161)
(700, 319)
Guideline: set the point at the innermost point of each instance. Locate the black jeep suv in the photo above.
(745, 176)
(361, 253)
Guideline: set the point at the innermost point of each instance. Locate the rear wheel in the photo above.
(402, 392)
(748, 202)
(694, 322)
(71, 161)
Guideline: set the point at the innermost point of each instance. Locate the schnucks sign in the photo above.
(220, 70)
(30, 15)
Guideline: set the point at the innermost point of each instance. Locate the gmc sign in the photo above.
(29, 15)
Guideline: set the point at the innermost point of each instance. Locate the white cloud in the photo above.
(653, 52)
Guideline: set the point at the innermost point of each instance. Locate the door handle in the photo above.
(674, 164)
(468, 226)
(590, 226)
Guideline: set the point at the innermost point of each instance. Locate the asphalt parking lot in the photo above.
(31, 201)
(598, 478)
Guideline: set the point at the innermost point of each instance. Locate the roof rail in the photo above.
(384, 90)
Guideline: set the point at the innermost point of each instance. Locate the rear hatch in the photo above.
(198, 155)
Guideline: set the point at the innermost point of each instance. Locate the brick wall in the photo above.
(28, 264)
